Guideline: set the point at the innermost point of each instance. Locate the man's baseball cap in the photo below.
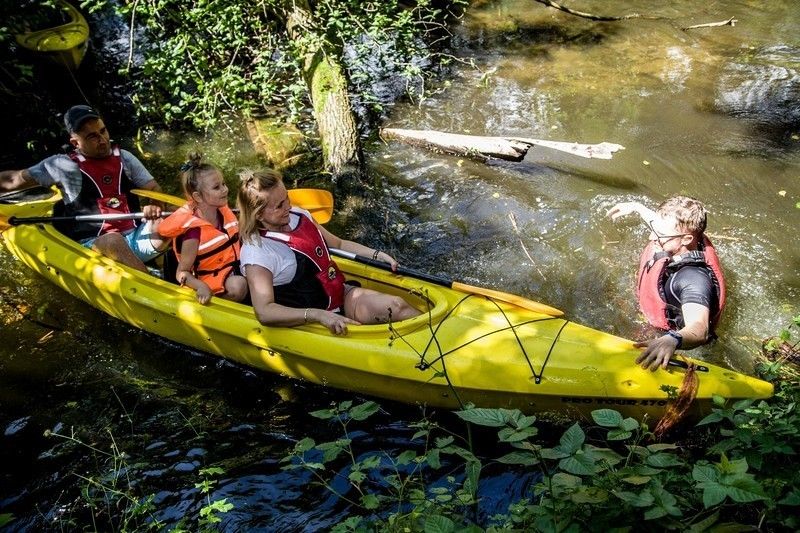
(77, 115)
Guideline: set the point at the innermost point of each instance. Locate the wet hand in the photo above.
(657, 352)
(337, 324)
(204, 294)
(386, 258)
(623, 209)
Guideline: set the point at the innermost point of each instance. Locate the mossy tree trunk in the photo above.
(327, 87)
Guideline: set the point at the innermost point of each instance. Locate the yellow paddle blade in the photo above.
(159, 196)
(318, 202)
(509, 298)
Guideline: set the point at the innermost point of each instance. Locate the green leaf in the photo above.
(439, 524)
(304, 445)
(746, 490)
(357, 476)
(406, 457)
(580, 465)
(363, 411)
(607, 418)
(552, 453)
(370, 501)
(433, 459)
(565, 481)
(641, 499)
(705, 524)
(516, 435)
(618, 434)
(484, 417)
(713, 494)
(572, 439)
(637, 480)
(705, 473)
(519, 458)
(591, 495)
(713, 418)
(663, 460)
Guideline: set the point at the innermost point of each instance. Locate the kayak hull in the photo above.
(65, 44)
(464, 349)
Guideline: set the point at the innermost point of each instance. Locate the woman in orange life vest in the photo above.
(206, 235)
(680, 285)
(289, 271)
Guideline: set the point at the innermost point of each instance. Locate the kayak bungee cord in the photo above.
(550, 351)
(425, 364)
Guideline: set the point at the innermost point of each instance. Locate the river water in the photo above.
(708, 112)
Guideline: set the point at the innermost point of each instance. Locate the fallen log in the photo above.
(485, 148)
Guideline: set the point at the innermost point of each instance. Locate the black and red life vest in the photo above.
(654, 269)
(105, 189)
(218, 250)
(313, 263)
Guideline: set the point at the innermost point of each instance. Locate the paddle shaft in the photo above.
(16, 221)
(497, 295)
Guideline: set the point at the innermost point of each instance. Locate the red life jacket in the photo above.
(309, 248)
(218, 251)
(104, 190)
(653, 274)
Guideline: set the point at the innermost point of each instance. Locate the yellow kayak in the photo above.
(65, 44)
(465, 348)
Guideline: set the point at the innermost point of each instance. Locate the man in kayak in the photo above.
(289, 270)
(680, 285)
(96, 178)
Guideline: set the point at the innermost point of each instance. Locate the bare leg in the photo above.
(372, 307)
(115, 246)
(235, 288)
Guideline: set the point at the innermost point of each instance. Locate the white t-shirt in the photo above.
(275, 256)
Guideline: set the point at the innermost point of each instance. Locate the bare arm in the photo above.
(351, 246)
(657, 352)
(184, 274)
(12, 180)
(270, 313)
(626, 208)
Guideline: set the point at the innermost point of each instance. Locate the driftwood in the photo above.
(486, 148)
(730, 22)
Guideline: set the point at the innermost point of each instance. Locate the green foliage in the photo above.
(611, 476)
(201, 60)
(113, 497)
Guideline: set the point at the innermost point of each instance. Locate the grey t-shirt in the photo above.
(62, 171)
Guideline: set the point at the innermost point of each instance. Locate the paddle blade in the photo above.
(509, 298)
(318, 202)
(159, 196)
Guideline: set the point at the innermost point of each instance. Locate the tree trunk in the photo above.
(327, 87)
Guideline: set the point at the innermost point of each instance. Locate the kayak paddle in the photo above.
(456, 285)
(17, 221)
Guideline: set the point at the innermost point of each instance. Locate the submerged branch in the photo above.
(591, 16)
(730, 22)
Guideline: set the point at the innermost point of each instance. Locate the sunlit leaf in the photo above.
(607, 417)
(484, 417)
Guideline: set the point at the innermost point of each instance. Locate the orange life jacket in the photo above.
(218, 252)
(653, 274)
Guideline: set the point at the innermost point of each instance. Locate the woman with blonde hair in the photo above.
(289, 270)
